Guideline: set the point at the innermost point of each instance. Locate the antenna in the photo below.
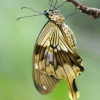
(29, 16)
(30, 9)
(39, 13)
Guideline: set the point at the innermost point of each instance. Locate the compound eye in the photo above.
(46, 13)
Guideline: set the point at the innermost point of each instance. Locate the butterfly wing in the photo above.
(73, 62)
(44, 82)
(55, 58)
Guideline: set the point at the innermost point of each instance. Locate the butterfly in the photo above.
(55, 57)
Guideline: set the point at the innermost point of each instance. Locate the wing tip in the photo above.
(77, 95)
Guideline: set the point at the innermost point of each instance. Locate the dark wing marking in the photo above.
(55, 58)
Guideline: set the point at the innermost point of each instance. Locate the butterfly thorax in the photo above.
(54, 16)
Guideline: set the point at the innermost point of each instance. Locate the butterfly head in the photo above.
(54, 16)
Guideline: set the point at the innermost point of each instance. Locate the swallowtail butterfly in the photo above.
(55, 57)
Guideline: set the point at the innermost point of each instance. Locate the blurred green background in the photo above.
(17, 39)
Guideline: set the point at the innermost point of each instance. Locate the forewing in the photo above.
(43, 79)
